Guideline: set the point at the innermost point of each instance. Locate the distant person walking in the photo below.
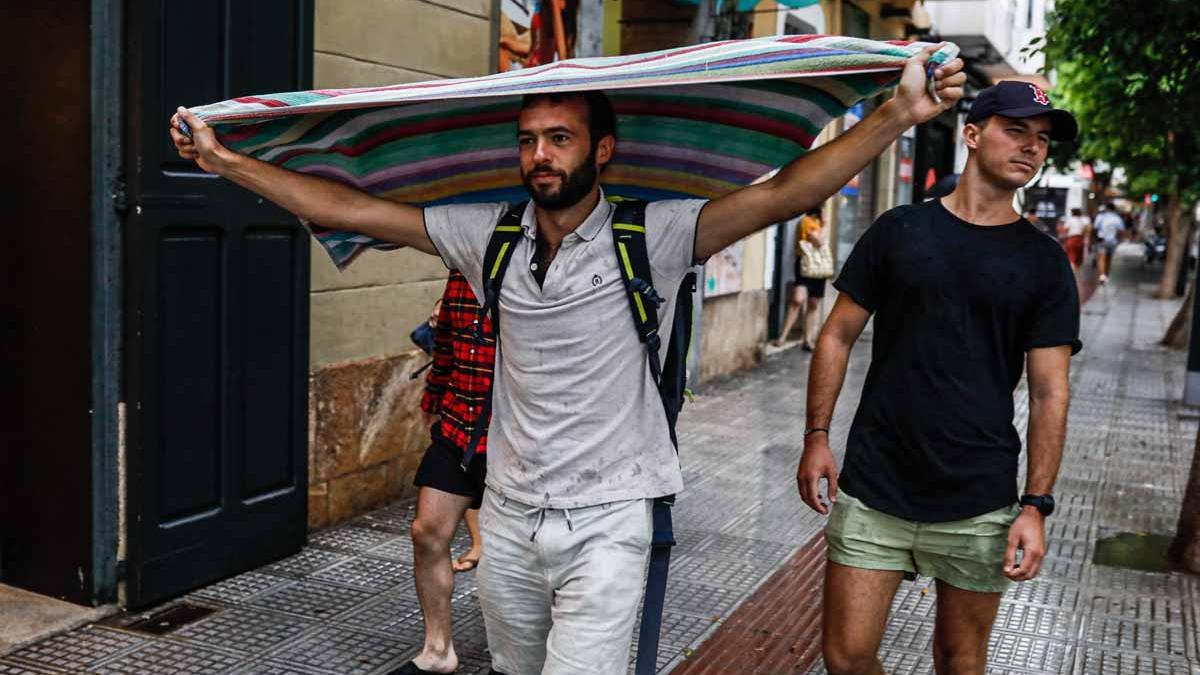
(1109, 226)
(814, 265)
(1078, 234)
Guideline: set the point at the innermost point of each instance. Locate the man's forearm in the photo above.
(802, 184)
(826, 374)
(1047, 431)
(329, 203)
(319, 200)
(810, 179)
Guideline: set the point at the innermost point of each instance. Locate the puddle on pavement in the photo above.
(1135, 551)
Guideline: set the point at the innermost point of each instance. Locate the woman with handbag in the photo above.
(814, 264)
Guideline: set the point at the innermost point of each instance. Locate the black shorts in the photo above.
(440, 470)
(816, 287)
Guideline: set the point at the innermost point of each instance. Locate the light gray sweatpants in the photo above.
(560, 587)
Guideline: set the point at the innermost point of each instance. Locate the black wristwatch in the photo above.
(1043, 503)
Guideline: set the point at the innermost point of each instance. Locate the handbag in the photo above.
(816, 262)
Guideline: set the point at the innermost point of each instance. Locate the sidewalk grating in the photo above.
(167, 656)
(341, 650)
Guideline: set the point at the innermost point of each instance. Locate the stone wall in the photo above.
(366, 435)
(366, 430)
(734, 331)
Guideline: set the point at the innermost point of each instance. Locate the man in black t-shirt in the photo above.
(966, 296)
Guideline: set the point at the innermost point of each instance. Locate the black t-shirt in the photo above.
(956, 307)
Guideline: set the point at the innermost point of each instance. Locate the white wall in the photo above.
(1008, 25)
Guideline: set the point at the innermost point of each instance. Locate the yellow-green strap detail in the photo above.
(637, 297)
(508, 228)
(499, 259)
(629, 227)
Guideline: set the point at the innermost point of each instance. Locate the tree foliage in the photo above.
(1131, 74)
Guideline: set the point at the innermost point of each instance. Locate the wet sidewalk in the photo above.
(744, 590)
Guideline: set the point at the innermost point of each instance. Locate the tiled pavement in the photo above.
(346, 603)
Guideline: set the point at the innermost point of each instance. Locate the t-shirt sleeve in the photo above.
(460, 233)
(671, 235)
(1054, 321)
(862, 276)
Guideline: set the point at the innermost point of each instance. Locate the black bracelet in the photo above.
(813, 431)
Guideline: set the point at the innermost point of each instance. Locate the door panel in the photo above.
(218, 296)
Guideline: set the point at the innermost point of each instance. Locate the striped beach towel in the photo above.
(696, 121)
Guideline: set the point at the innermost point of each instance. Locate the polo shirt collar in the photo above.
(587, 230)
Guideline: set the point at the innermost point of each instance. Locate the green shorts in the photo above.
(967, 554)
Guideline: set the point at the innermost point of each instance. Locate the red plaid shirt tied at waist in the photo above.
(463, 360)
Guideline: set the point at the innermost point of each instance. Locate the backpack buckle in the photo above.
(646, 290)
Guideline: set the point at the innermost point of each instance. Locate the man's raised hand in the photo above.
(913, 97)
(202, 146)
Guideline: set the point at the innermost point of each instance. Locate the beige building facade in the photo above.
(366, 429)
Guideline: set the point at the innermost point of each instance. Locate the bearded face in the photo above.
(553, 188)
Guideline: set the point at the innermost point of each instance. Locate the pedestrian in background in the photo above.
(457, 383)
(1109, 226)
(814, 264)
(1078, 233)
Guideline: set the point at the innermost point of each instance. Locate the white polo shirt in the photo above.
(576, 418)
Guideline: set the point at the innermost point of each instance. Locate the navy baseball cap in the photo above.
(1022, 99)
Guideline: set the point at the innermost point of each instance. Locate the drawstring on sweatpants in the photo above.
(541, 519)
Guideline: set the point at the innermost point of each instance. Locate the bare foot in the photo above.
(467, 561)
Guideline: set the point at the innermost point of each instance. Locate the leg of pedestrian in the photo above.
(438, 514)
(469, 560)
(964, 624)
(793, 313)
(812, 320)
(856, 605)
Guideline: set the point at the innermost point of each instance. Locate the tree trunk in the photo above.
(1179, 331)
(1176, 249)
(1185, 548)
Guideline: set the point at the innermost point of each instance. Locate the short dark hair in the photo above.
(1077, 212)
(602, 119)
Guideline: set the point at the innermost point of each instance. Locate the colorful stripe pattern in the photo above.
(695, 121)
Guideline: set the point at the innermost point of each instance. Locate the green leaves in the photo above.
(1131, 74)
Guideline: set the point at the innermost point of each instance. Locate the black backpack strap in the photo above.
(629, 239)
(656, 587)
(495, 263)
